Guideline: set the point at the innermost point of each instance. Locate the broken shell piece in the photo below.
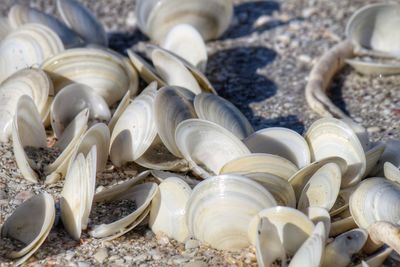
(312, 250)
(77, 194)
(329, 137)
(172, 105)
(106, 72)
(391, 172)
(32, 82)
(28, 131)
(185, 41)
(173, 71)
(261, 162)
(339, 252)
(27, 46)
(222, 112)
(282, 142)
(228, 203)
(292, 225)
(268, 245)
(141, 194)
(41, 212)
(207, 146)
(23, 14)
(135, 130)
(322, 189)
(82, 21)
(210, 18)
(168, 214)
(71, 100)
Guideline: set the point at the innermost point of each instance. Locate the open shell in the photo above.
(157, 17)
(71, 100)
(107, 73)
(329, 137)
(220, 111)
(168, 209)
(282, 142)
(292, 226)
(207, 146)
(82, 21)
(228, 203)
(41, 212)
(27, 46)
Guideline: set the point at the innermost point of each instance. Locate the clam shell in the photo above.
(373, 27)
(322, 189)
(27, 131)
(173, 71)
(317, 214)
(220, 111)
(5, 27)
(210, 18)
(107, 73)
(329, 137)
(23, 14)
(123, 104)
(172, 105)
(301, 178)
(207, 146)
(391, 172)
(292, 226)
(261, 162)
(168, 209)
(374, 68)
(82, 21)
(142, 195)
(342, 225)
(377, 259)
(311, 251)
(268, 245)
(375, 199)
(185, 41)
(282, 142)
(71, 100)
(228, 203)
(338, 253)
(41, 212)
(27, 46)
(135, 130)
(31, 82)
(373, 155)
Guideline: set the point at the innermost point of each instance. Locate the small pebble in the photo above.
(101, 254)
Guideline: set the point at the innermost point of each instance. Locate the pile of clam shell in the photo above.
(311, 200)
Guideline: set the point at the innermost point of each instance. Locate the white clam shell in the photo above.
(292, 225)
(322, 189)
(168, 209)
(31, 82)
(228, 203)
(41, 212)
(301, 178)
(375, 199)
(5, 27)
(207, 146)
(268, 245)
(23, 14)
(391, 172)
(312, 250)
(172, 105)
(123, 104)
(317, 214)
(329, 137)
(135, 130)
(277, 186)
(374, 68)
(261, 162)
(27, 131)
(282, 142)
(77, 194)
(338, 253)
(372, 156)
(71, 100)
(27, 46)
(377, 259)
(185, 41)
(142, 195)
(81, 20)
(220, 111)
(209, 17)
(107, 73)
(173, 71)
